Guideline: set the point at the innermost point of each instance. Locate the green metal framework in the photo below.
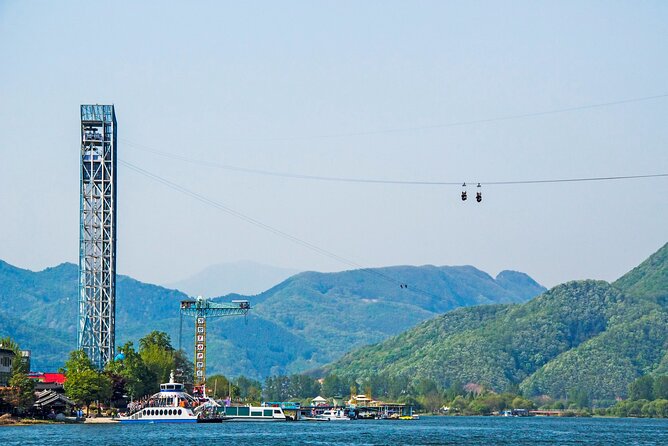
(200, 309)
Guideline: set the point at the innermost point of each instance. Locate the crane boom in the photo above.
(200, 309)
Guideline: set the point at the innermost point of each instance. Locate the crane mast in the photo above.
(201, 309)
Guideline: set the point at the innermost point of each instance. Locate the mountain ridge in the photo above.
(584, 335)
(304, 322)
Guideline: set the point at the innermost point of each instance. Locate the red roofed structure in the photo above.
(48, 378)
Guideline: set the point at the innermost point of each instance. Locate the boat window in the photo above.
(179, 411)
(267, 412)
(277, 411)
(170, 411)
(160, 412)
(256, 414)
(244, 411)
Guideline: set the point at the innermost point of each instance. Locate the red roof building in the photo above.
(48, 378)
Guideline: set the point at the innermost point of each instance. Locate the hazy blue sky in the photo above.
(258, 85)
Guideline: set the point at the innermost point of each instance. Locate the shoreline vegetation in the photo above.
(135, 374)
(583, 348)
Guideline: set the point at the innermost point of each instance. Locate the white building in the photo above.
(6, 360)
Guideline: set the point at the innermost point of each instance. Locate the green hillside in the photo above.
(648, 279)
(584, 335)
(302, 323)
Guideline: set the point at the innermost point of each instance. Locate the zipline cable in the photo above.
(382, 181)
(266, 227)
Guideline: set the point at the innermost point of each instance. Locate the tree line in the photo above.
(135, 373)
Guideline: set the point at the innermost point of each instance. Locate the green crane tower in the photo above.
(201, 309)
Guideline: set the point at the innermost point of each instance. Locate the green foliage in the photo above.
(156, 339)
(578, 398)
(290, 388)
(184, 370)
(640, 408)
(159, 357)
(8, 343)
(647, 398)
(21, 393)
(339, 310)
(159, 362)
(642, 388)
(648, 279)
(250, 390)
(660, 387)
(276, 388)
(303, 387)
(219, 387)
(84, 384)
(332, 386)
(583, 340)
(138, 379)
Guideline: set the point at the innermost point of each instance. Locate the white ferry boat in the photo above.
(171, 405)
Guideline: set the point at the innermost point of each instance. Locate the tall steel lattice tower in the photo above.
(97, 234)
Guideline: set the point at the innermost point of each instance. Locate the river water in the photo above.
(458, 431)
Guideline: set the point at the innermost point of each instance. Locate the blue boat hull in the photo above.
(194, 420)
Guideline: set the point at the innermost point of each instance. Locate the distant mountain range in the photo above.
(584, 336)
(302, 323)
(243, 277)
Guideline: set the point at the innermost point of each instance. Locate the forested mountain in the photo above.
(586, 336)
(304, 322)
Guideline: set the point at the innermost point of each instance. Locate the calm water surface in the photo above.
(427, 431)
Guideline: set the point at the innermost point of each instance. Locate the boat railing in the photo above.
(136, 407)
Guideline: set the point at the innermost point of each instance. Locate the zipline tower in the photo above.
(200, 309)
(97, 234)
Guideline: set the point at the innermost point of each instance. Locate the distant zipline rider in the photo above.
(478, 195)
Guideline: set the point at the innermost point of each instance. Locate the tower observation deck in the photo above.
(97, 234)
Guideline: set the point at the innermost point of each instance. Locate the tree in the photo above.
(250, 390)
(458, 404)
(430, 396)
(455, 389)
(23, 389)
(138, 379)
(22, 393)
(84, 384)
(219, 387)
(184, 371)
(159, 361)
(158, 354)
(277, 388)
(579, 397)
(642, 388)
(660, 389)
(522, 403)
(303, 386)
(332, 385)
(156, 338)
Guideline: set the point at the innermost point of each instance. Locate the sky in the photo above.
(394, 90)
